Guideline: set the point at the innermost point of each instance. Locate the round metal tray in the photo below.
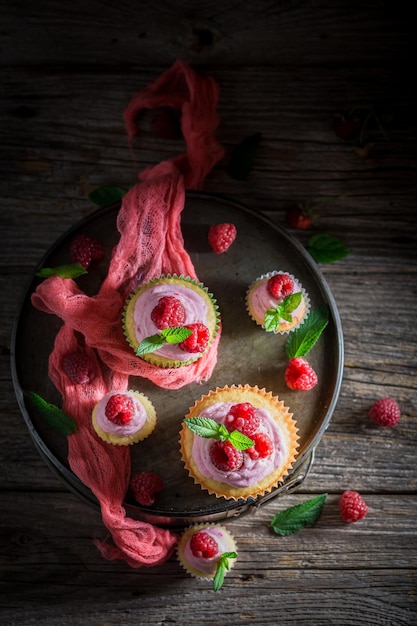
(247, 354)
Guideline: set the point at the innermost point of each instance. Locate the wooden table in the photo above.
(284, 70)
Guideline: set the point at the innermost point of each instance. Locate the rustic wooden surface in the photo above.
(284, 68)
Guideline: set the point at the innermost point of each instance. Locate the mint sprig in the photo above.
(104, 196)
(55, 417)
(282, 311)
(172, 335)
(326, 248)
(223, 565)
(296, 517)
(303, 338)
(210, 429)
(71, 270)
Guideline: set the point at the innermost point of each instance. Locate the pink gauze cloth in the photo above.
(150, 244)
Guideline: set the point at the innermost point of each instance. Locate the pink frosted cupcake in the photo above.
(207, 551)
(124, 417)
(277, 302)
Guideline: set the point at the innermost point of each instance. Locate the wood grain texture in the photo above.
(68, 70)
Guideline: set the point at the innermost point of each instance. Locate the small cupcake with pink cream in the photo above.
(277, 302)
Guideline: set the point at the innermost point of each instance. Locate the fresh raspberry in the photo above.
(225, 456)
(262, 447)
(299, 375)
(298, 217)
(144, 486)
(119, 409)
(84, 249)
(77, 366)
(242, 417)
(221, 237)
(168, 313)
(352, 506)
(198, 340)
(203, 545)
(385, 412)
(280, 286)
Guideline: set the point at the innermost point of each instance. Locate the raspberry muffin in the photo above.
(205, 549)
(124, 417)
(238, 442)
(277, 302)
(171, 321)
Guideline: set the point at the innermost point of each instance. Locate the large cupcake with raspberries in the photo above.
(277, 302)
(124, 417)
(238, 442)
(171, 321)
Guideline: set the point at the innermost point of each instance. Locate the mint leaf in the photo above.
(222, 566)
(210, 429)
(282, 311)
(325, 248)
(203, 427)
(296, 517)
(72, 270)
(243, 156)
(168, 335)
(303, 338)
(149, 344)
(104, 196)
(239, 440)
(175, 334)
(53, 416)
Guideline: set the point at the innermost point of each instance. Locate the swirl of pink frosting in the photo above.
(195, 311)
(208, 566)
(252, 470)
(121, 430)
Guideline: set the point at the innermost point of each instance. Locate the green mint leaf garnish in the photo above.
(210, 429)
(282, 311)
(243, 156)
(167, 335)
(104, 196)
(53, 416)
(222, 566)
(296, 517)
(303, 338)
(73, 270)
(325, 248)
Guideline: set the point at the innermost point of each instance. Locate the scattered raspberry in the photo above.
(203, 545)
(262, 447)
(84, 249)
(198, 340)
(299, 375)
(385, 412)
(242, 417)
(77, 366)
(225, 456)
(168, 313)
(119, 409)
(352, 506)
(280, 286)
(221, 237)
(144, 486)
(298, 217)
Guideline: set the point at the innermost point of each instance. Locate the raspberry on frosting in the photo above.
(242, 417)
(168, 313)
(225, 456)
(203, 545)
(280, 286)
(198, 340)
(119, 409)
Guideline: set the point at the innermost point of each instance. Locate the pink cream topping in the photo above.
(136, 423)
(195, 311)
(208, 566)
(261, 300)
(252, 470)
